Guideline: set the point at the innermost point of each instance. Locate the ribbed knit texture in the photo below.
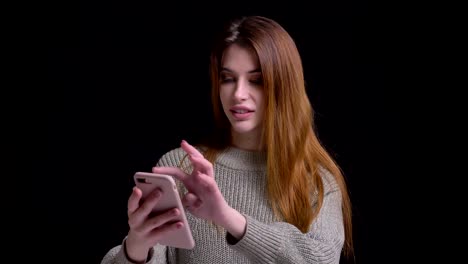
(241, 177)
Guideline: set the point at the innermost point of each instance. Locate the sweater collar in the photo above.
(240, 159)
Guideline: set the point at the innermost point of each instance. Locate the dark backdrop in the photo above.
(129, 80)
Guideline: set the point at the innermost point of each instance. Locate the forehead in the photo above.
(240, 59)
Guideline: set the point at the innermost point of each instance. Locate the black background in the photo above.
(129, 80)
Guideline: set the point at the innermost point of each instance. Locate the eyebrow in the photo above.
(229, 70)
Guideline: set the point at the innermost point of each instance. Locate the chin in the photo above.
(243, 128)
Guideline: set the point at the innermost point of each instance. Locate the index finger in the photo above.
(192, 151)
(134, 200)
(172, 171)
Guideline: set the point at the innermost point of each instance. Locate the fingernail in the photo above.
(157, 193)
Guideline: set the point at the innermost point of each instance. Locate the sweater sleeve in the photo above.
(117, 255)
(281, 242)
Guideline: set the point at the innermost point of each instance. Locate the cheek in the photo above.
(223, 97)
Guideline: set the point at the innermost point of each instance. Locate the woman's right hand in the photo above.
(146, 228)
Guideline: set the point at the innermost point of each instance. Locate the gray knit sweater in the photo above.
(241, 177)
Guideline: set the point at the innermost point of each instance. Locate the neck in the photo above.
(247, 141)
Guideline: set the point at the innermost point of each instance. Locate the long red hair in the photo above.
(295, 154)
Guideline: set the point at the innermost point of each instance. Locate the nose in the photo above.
(241, 93)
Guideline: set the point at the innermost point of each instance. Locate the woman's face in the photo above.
(241, 91)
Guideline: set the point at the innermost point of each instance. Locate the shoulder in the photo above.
(171, 158)
(174, 157)
(328, 179)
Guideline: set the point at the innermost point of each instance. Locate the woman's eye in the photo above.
(257, 81)
(227, 80)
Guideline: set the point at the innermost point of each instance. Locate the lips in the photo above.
(241, 112)
(240, 109)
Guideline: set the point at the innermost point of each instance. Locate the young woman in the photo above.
(264, 190)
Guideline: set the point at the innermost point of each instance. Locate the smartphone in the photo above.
(147, 182)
